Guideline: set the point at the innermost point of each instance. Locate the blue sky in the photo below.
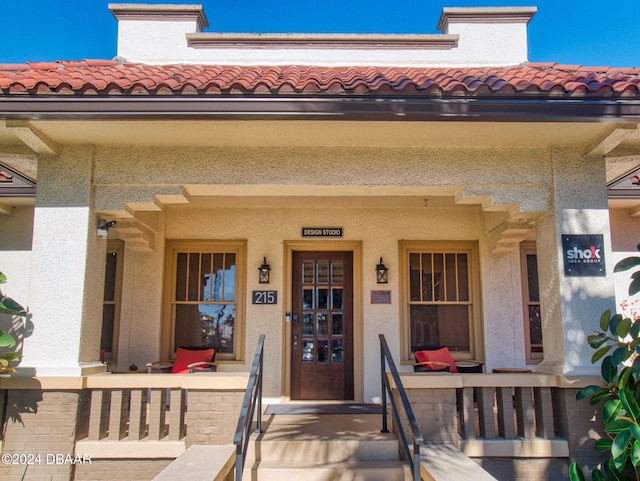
(588, 32)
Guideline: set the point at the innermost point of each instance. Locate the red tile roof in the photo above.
(108, 78)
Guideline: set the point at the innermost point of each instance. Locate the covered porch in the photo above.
(401, 191)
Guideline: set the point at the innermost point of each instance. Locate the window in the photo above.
(111, 301)
(206, 296)
(440, 297)
(531, 302)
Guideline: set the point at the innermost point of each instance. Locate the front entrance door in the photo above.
(322, 326)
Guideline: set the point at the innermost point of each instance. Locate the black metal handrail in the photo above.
(418, 440)
(252, 399)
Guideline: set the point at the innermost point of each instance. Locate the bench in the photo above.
(201, 463)
(442, 462)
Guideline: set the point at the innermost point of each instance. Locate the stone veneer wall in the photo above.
(435, 412)
(39, 425)
(212, 416)
(581, 425)
(525, 469)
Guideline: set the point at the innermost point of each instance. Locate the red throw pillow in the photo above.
(440, 355)
(184, 357)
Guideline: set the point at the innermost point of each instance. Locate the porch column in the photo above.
(571, 305)
(67, 270)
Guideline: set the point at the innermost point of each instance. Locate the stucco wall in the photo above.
(126, 175)
(67, 268)
(266, 229)
(510, 175)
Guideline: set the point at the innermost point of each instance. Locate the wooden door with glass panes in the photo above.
(322, 326)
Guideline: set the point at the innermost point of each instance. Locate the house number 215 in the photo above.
(265, 297)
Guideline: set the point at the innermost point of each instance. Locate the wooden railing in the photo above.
(489, 414)
(162, 410)
(136, 414)
(508, 407)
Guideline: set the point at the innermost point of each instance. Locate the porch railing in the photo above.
(119, 410)
(492, 415)
(252, 401)
(146, 415)
(413, 458)
(504, 406)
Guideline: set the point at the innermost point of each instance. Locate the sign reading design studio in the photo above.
(322, 232)
(583, 255)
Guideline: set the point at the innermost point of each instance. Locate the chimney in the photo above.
(156, 33)
(165, 34)
(489, 35)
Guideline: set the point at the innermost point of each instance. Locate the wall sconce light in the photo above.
(381, 273)
(103, 228)
(263, 272)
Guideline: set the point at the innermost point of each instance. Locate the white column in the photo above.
(571, 305)
(67, 270)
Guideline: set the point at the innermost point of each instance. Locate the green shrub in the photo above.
(617, 344)
(12, 308)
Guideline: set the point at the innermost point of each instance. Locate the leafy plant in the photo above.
(12, 308)
(617, 344)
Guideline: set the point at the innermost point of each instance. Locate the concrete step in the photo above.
(322, 439)
(344, 471)
(334, 447)
(383, 448)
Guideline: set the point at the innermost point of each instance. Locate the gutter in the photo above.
(17, 192)
(322, 108)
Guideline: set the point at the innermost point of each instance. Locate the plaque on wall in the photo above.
(380, 297)
(264, 297)
(583, 255)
